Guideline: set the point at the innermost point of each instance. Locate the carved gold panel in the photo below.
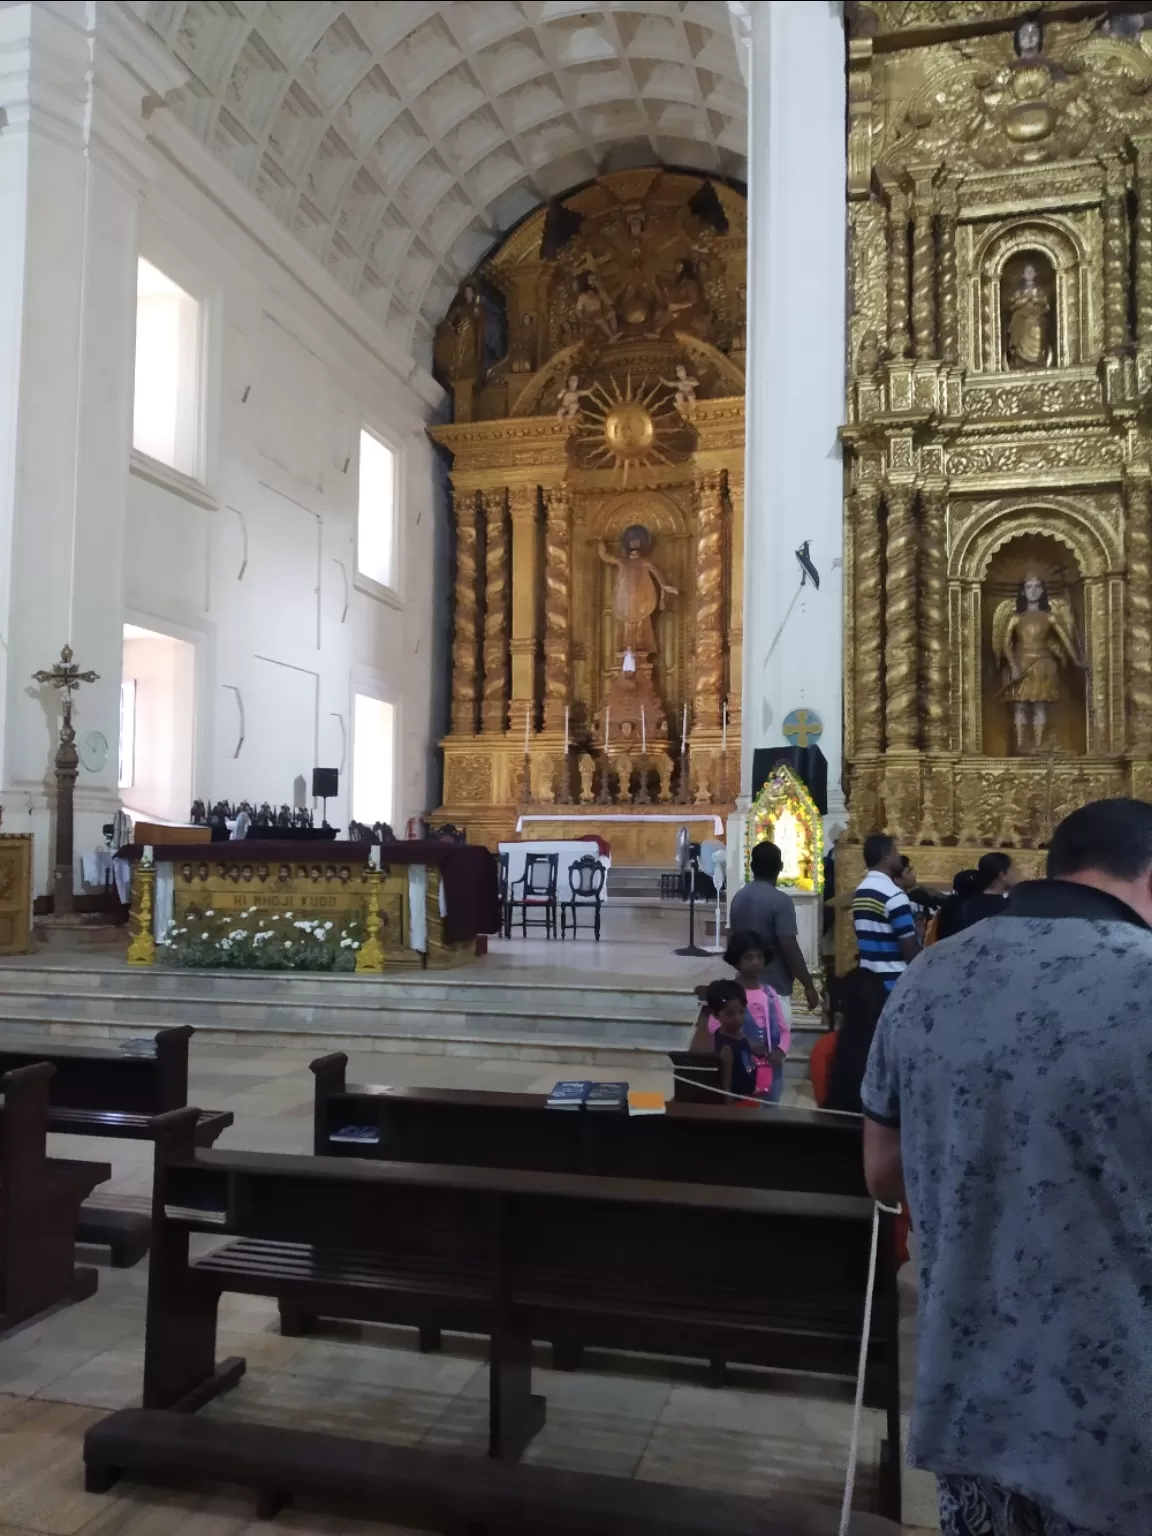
(15, 893)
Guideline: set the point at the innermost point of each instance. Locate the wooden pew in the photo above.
(433, 1490)
(796, 1149)
(39, 1200)
(769, 1278)
(99, 1090)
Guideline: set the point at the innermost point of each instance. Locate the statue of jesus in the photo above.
(640, 590)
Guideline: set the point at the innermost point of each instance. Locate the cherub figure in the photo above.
(569, 400)
(684, 398)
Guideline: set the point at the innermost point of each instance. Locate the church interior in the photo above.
(470, 472)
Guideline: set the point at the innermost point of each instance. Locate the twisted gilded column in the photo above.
(867, 608)
(1144, 251)
(494, 706)
(465, 636)
(709, 594)
(946, 278)
(901, 612)
(557, 605)
(924, 277)
(1116, 331)
(934, 618)
(899, 341)
(1138, 497)
(523, 510)
(735, 599)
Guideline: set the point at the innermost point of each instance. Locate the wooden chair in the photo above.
(586, 880)
(537, 891)
(502, 886)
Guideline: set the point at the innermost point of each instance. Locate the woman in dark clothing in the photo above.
(965, 885)
(997, 876)
(858, 1000)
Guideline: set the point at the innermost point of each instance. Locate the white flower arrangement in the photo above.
(269, 942)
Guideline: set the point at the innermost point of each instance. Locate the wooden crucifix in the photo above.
(65, 676)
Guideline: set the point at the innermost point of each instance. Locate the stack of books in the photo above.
(363, 1135)
(595, 1096)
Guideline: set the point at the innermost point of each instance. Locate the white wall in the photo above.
(259, 572)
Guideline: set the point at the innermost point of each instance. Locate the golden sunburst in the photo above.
(624, 427)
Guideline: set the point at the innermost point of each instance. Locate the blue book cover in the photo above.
(569, 1095)
(607, 1096)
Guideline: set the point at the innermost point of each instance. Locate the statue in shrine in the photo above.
(1029, 337)
(686, 308)
(1034, 636)
(593, 311)
(640, 591)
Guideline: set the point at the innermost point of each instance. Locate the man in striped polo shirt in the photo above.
(882, 914)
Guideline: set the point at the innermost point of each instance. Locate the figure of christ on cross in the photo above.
(65, 676)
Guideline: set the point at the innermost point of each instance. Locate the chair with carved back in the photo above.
(586, 882)
(537, 892)
(504, 894)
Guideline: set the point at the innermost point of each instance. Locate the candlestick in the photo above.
(724, 732)
(565, 727)
(684, 730)
(643, 732)
(607, 718)
(527, 726)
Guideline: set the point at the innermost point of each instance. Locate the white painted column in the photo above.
(793, 638)
(76, 81)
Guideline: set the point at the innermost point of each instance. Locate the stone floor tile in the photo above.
(113, 1379)
(25, 1370)
(41, 1469)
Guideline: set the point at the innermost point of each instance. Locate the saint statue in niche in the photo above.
(1028, 313)
(640, 591)
(1034, 636)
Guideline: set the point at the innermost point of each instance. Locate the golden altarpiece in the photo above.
(998, 514)
(596, 365)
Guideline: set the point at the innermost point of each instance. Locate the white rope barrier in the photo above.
(869, 1295)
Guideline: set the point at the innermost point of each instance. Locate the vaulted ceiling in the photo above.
(398, 140)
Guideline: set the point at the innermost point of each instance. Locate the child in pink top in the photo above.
(765, 1025)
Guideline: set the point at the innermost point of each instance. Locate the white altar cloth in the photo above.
(684, 815)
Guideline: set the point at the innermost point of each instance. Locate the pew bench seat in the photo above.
(71, 1121)
(432, 1490)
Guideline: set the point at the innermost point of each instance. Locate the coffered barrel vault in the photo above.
(397, 142)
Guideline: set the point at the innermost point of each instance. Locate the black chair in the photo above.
(537, 891)
(502, 888)
(586, 879)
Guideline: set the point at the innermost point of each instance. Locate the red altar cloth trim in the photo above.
(471, 887)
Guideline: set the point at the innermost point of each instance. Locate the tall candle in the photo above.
(724, 736)
(643, 731)
(565, 727)
(607, 717)
(684, 730)
(527, 721)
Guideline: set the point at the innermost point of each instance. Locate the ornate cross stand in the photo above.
(66, 678)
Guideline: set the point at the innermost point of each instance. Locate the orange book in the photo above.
(645, 1103)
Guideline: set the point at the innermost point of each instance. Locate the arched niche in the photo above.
(1055, 248)
(989, 558)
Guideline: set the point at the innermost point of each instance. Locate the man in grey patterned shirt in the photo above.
(1009, 1091)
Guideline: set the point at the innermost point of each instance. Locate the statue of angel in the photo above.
(685, 386)
(569, 399)
(1033, 636)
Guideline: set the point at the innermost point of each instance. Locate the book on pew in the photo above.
(142, 1046)
(641, 1103)
(569, 1095)
(607, 1096)
(360, 1135)
(193, 1211)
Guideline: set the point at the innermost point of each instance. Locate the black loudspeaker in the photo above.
(325, 783)
(808, 764)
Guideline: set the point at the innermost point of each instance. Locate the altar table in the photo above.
(638, 838)
(434, 897)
